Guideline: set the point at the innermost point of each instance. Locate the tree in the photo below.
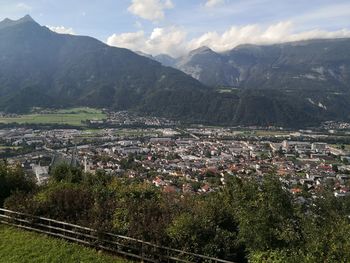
(142, 212)
(208, 227)
(13, 179)
(265, 214)
(66, 173)
(66, 202)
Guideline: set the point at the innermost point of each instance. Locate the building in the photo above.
(41, 173)
(319, 147)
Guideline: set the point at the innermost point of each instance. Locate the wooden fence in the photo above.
(121, 245)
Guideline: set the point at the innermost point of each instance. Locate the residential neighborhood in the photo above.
(190, 160)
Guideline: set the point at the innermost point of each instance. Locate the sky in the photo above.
(175, 27)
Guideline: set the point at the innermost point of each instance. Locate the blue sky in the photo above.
(176, 26)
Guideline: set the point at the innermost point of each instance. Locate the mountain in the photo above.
(275, 83)
(209, 67)
(144, 54)
(165, 60)
(40, 68)
(323, 63)
(294, 84)
(8, 22)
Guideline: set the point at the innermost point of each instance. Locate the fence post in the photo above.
(142, 252)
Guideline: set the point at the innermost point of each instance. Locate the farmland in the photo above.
(74, 117)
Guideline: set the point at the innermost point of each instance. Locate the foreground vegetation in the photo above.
(73, 117)
(252, 219)
(22, 246)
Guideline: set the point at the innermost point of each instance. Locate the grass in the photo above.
(74, 117)
(3, 147)
(136, 132)
(271, 133)
(339, 146)
(17, 246)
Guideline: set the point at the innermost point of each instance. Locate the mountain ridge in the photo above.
(40, 68)
(67, 65)
(231, 68)
(9, 22)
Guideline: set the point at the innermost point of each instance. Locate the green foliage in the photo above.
(272, 256)
(65, 197)
(208, 228)
(66, 173)
(66, 202)
(265, 214)
(323, 231)
(250, 218)
(13, 179)
(129, 163)
(142, 212)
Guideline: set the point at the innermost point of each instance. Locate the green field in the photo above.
(345, 147)
(73, 116)
(271, 133)
(17, 246)
(3, 147)
(136, 132)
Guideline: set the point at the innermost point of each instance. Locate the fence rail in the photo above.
(122, 245)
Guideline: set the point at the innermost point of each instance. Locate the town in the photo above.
(194, 159)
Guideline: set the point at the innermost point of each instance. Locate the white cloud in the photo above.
(133, 41)
(255, 34)
(162, 40)
(173, 40)
(62, 30)
(150, 9)
(213, 3)
(167, 40)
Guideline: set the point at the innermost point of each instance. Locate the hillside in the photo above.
(41, 68)
(295, 84)
(22, 246)
(312, 64)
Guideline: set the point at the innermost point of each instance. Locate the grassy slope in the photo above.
(17, 246)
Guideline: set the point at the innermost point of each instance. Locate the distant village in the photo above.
(194, 160)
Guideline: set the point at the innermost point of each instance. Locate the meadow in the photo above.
(23, 246)
(73, 116)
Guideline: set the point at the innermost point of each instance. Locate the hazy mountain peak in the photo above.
(203, 49)
(9, 22)
(164, 55)
(26, 18)
(246, 46)
(144, 54)
(6, 20)
(166, 60)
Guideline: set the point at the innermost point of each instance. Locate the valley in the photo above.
(267, 84)
(215, 134)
